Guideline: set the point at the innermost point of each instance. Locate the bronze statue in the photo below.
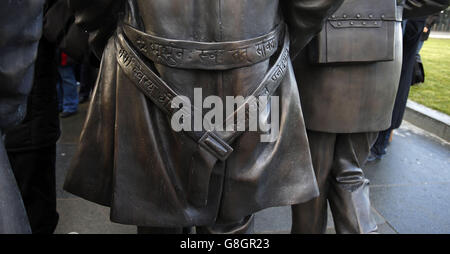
(130, 159)
(20, 30)
(348, 78)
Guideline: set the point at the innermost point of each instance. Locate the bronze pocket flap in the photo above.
(359, 31)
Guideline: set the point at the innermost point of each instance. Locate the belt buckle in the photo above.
(215, 145)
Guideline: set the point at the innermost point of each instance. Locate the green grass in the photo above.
(435, 92)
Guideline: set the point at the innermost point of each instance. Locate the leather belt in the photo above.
(204, 55)
(213, 146)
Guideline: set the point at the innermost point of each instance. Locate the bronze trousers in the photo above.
(338, 160)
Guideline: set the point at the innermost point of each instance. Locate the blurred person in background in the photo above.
(73, 46)
(429, 23)
(412, 39)
(419, 72)
(67, 86)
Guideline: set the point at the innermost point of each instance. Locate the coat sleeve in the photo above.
(305, 19)
(99, 18)
(421, 8)
(431, 20)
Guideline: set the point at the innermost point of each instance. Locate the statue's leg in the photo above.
(157, 230)
(349, 192)
(311, 217)
(244, 226)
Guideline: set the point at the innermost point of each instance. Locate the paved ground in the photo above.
(410, 189)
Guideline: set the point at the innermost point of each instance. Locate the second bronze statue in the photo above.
(348, 79)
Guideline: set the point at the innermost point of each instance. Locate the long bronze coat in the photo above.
(129, 157)
(355, 96)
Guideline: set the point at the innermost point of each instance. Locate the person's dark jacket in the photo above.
(411, 39)
(60, 28)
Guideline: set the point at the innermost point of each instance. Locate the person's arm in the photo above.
(99, 18)
(305, 19)
(421, 8)
(431, 20)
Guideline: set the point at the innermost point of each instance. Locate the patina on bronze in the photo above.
(348, 78)
(20, 30)
(214, 145)
(205, 55)
(130, 159)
